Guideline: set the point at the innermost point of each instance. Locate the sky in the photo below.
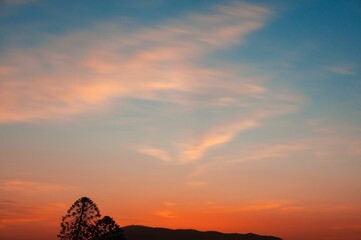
(235, 116)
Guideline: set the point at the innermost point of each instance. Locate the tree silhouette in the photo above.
(79, 222)
(107, 229)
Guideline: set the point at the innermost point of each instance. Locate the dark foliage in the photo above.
(79, 222)
(107, 229)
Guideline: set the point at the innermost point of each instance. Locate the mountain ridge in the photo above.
(138, 232)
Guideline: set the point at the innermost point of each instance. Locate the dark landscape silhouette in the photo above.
(83, 222)
(150, 233)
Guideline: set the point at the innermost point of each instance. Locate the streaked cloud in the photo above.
(326, 207)
(255, 207)
(13, 211)
(30, 186)
(269, 152)
(166, 214)
(106, 68)
(155, 152)
(194, 178)
(193, 183)
(169, 204)
(87, 71)
(214, 137)
(283, 205)
(206, 111)
(252, 117)
(262, 207)
(342, 69)
(347, 227)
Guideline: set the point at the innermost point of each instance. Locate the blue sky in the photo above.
(210, 109)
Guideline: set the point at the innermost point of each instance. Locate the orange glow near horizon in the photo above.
(278, 218)
(226, 115)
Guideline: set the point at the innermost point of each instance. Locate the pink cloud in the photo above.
(155, 152)
(214, 137)
(87, 71)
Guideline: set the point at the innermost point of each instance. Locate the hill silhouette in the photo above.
(135, 232)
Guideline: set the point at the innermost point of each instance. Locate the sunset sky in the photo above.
(235, 116)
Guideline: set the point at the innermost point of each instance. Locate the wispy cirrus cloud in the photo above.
(93, 71)
(214, 137)
(30, 186)
(283, 205)
(277, 151)
(169, 204)
(12, 212)
(155, 152)
(86, 71)
(342, 69)
(350, 226)
(166, 214)
(193, 147)
(251, 207)
(226, 131)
